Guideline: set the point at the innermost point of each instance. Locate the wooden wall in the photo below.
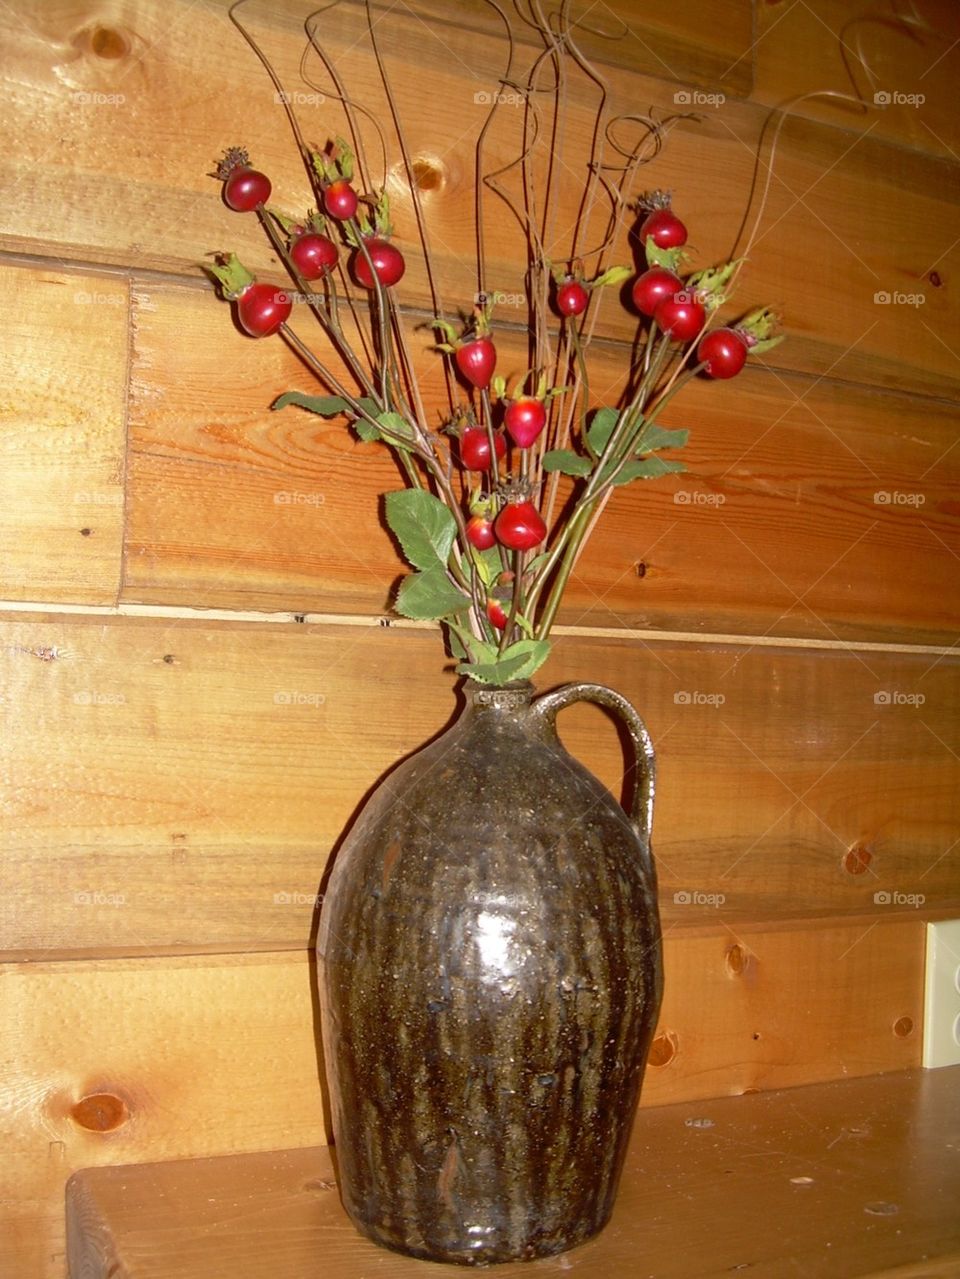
(196, 685)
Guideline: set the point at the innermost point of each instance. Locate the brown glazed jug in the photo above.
(490, 976)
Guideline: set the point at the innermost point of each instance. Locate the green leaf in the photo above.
(519, 661)
(766, 344)
(325, 405)
(566, 462)
(534, 565)
(429, 596)
(366, 430)
(711, 283)
(669, 259)
(660, 437)
(424, 528)
(230, 273)
(613, 275)
(456, 636)
(398, 430)
(488, 564)
(602, 427)
(650, 468)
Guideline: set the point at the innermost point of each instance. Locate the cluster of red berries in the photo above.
(261, 308)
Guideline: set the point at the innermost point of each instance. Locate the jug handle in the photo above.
(640, 812)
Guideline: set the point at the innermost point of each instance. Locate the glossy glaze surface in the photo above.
(490, 977)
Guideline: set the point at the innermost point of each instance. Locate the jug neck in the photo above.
(488, 699)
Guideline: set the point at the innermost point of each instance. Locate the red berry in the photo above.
(246, 188)
(520, 526)
(652, 287)
(477, 360)
(387, 261)
(262, 308)
(480, 532)
(496, 614)
(313, 255)
(340, 200)
(475, 448)
(525, 418)
(664, 228)
(572, 298)
(680, 316)
(723, 353)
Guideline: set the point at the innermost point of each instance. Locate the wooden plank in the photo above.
(206, 791)
(840, 47)
(121, 1062)
(117, 1062)
(155, 207)
(743, 1013)
(63, 431)
(844, 1178)
(778, 528)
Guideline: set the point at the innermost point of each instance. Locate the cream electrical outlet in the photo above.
(941, 1005)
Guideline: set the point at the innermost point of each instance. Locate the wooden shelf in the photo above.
(852, 1178)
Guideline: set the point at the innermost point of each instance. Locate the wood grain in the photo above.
(899, 53)
(854, 1177)
(798, 493)
(186, 1057)
(839, 227)
(127, 1061)
(63, 364)
(202, 773)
